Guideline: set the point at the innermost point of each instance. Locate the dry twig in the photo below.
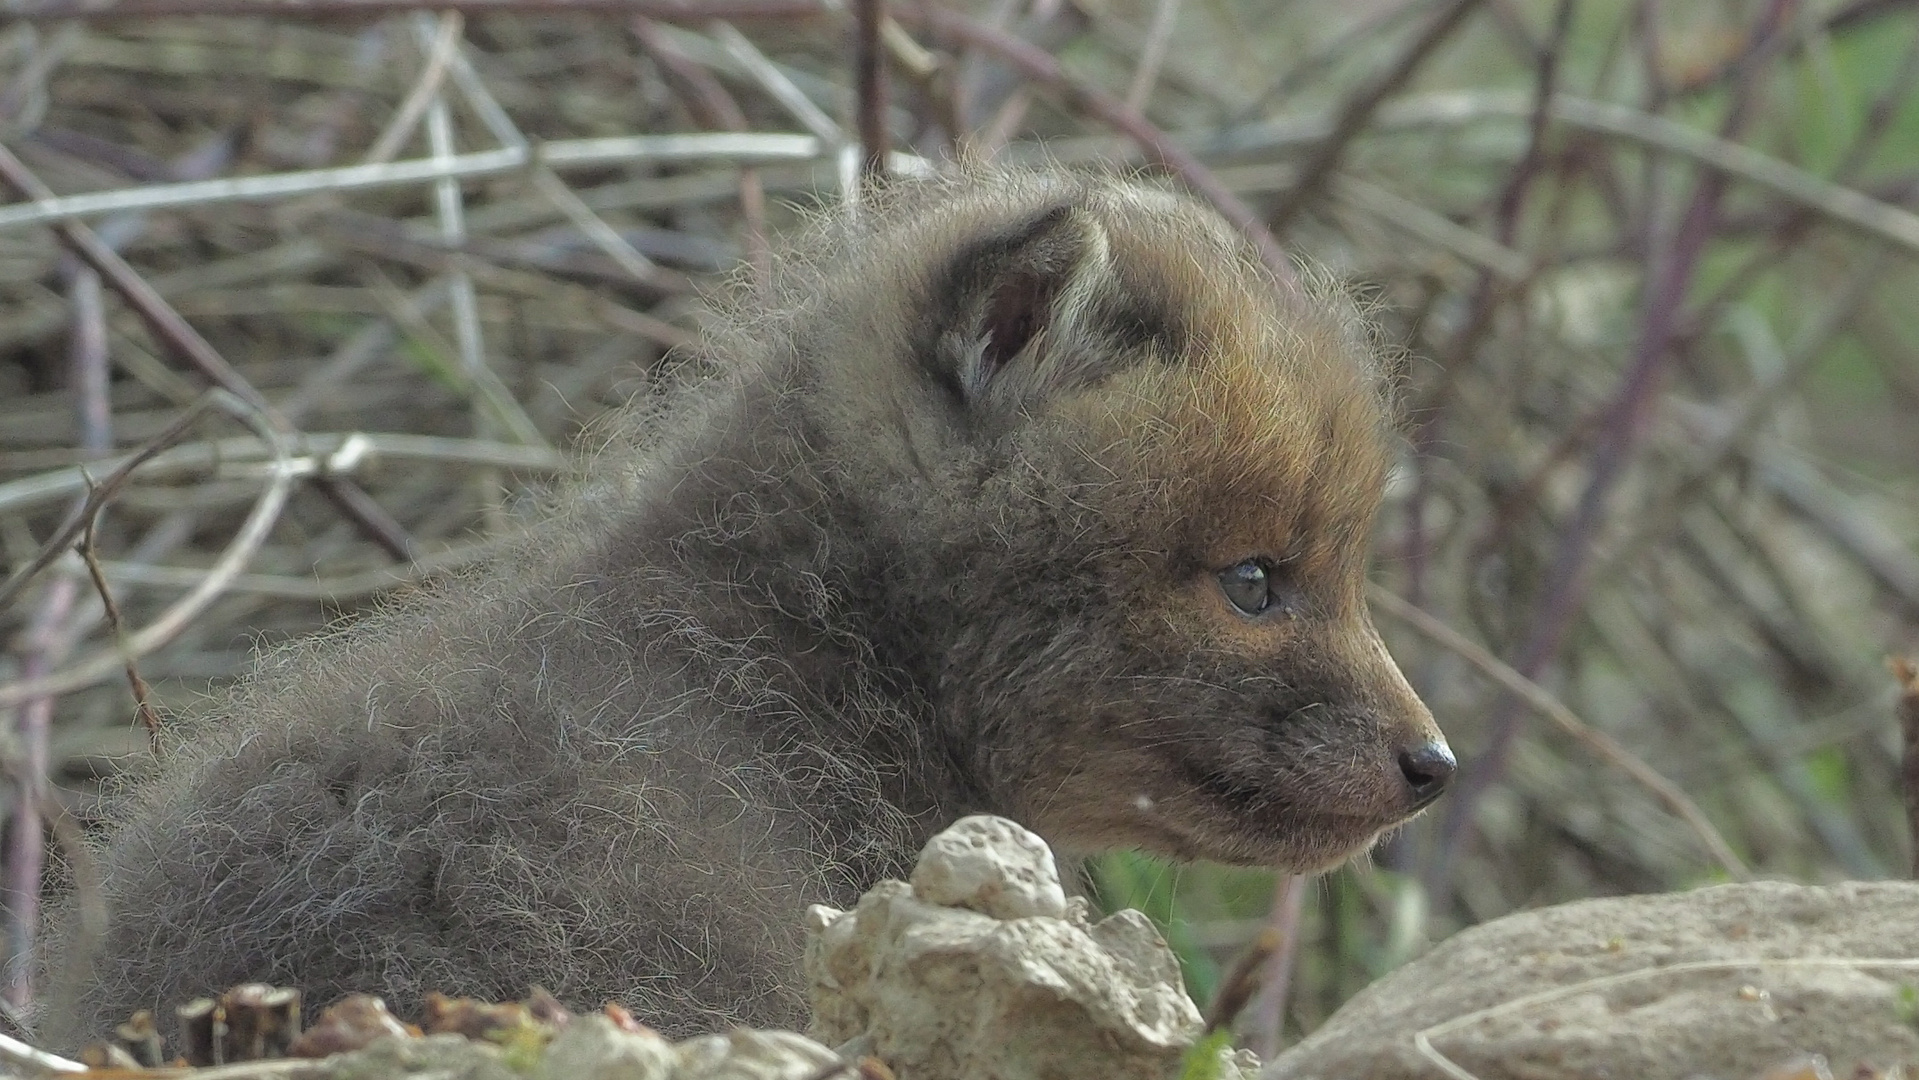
(142, 695)
(869, 86)
(1906, 673)
(97, 496)
(1601, 744)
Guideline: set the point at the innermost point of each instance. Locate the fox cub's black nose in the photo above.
(1428, 768)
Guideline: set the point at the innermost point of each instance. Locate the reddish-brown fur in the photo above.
(942, 532)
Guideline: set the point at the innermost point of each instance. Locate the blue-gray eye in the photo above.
(1246, 585)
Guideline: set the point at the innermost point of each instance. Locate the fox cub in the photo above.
(1029, 493)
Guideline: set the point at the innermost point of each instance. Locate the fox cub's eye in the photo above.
(1247, 586)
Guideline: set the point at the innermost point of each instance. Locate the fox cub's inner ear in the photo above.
(1015, 302)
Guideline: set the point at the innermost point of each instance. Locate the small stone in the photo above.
(753, 1055)
(354, 1021)
(992, 866)
(471, 1017)
(598, 1048)
(981, 970)
(443, 1057)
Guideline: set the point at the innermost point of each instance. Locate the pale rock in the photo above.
(744, 1054)
(1724, 983)
(595, 1048)
(992, 866)
(443, 1057)
(1237, 1064)
(1000, 980)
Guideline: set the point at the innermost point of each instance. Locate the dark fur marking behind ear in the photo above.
(1142, 322)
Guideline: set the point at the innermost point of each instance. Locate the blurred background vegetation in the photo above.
(1649, 266)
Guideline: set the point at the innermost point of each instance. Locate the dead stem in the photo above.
(142, 703)
(1601, 744)
(869, 87)
(1906, 674)
(1668, 278)
(1354, 116)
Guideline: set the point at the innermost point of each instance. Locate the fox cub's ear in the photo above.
(1010, 319)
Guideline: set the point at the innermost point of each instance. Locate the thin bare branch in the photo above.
(1158, 37)
(339, 452)
(335, 589)
(869, 86)
(714, 107)
(97, 496)
(778, 85)
(1906, 674)
(1041, 67)
(159, 316)
(675, 11)
(253, 532)
(1269, 1023)
(1243, 979)
(45, 644)
(745, 147)
(142, 703)
(1669, 275)
(406, 119)
(1542, 701)
(1354, 117)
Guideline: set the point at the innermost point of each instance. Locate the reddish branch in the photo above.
(179, 335)
(1269, 1029)
(55, 627)
(44, 644)
(136, 683)
(1359, 111)
(1038, 66)
(714, 107)
(1668, 281)
(1242, 980)
(689, 11)
(1906, 671)
(869, 86)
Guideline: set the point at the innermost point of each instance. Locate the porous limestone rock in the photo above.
(444, 1057)
(1724, 983)
(595, 1048)
(587, 1048)
(992, 866)
(743, 1054)
(981, 969)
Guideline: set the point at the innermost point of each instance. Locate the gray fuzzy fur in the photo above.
(866, 576)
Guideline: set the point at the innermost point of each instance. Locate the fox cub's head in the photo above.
(1129, 481)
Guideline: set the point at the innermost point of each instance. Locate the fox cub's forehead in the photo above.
(1257, 435)
(1272, 422)
(1262, 378)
